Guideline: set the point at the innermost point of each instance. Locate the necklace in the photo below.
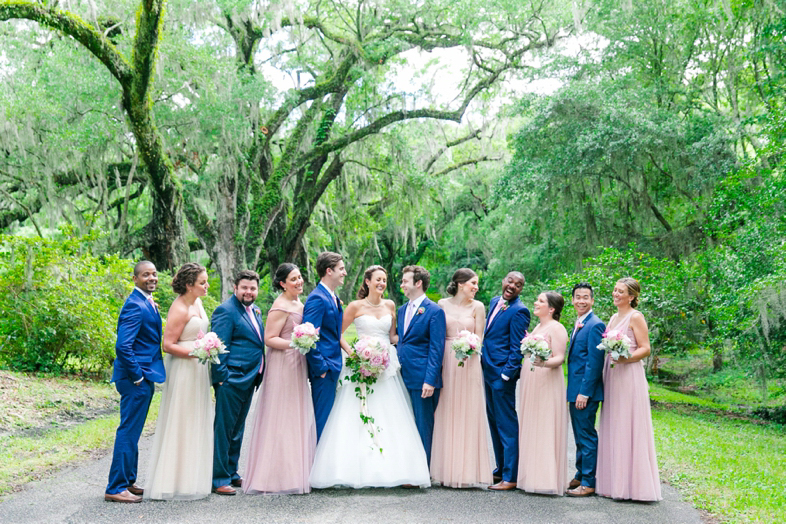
(372, 304)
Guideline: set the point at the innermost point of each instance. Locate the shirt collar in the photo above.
(332, 294)
(144, 293)
(418, 301)
(583, 317)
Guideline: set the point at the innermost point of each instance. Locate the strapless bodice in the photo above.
(192, 328)
(371, 326)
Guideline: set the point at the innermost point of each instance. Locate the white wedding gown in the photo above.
(346, 455)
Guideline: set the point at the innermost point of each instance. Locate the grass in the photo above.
(25, 457)
(729, 467)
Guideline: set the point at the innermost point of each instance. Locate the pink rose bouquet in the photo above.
(208, 347)
(534, 347)
(370, 358)
(304, 337)
(616, 344)
(465, 345)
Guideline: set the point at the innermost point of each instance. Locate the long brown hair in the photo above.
(363, 291)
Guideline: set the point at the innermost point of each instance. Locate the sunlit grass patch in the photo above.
(729, 467)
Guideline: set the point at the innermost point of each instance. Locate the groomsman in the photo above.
(421, 344)
(506, 325)
(137, 366)
(323, 309)
(238, 324)
(585, 388)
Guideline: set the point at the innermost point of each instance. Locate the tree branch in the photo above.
(95, 41)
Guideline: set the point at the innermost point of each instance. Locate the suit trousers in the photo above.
(232, 404)
(504, 426)
(424, 409)
(323, 394)
(134, 404)
(586, 437)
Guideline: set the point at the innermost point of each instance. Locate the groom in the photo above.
(501, 359)
(421, 344)
(137, 366)
(238, 324)
(585, 388)
(323, 309)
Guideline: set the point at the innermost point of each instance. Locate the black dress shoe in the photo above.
(497, 478)
(236, 483)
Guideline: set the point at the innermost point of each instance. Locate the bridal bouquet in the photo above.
(304, 337)
(534, 347)
(465, 345)
(370, 358)
(208, 347)
(616, 344)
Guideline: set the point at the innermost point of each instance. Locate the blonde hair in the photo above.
(634, 289)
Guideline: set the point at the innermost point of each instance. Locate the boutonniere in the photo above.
(505, 306)
(420, 311)
(256, 309)
(579, 325)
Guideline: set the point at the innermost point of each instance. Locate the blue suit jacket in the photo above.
(138, 347)
(421, 348)
(326, 314)
(502, 340)
(246, 350)
(585, 361)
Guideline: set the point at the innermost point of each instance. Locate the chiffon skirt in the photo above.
(543, 431)
(284, 435)
(627, 465)
(181, 463)
(460, 456)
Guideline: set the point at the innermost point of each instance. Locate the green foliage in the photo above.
(61, 302)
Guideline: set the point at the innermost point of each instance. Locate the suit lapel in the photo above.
(492, 306)
(575, 335)
(244, 316)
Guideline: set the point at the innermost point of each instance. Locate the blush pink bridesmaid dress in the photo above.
(284, 436)
(627, 465)
(460, 455)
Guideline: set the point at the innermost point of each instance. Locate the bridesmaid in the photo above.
(460, 453)
(284, 436)
(543, 418)
(181, 463)
(627, 465)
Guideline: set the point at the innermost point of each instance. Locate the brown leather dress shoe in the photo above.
(123, 496)
(236, 483)
(136, 490)
(224, 490)
(409, 486)
(497, 478)
(575, 483)
(581, 491)
(503, 486)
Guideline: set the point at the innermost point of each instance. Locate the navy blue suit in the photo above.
(325, 313)
(585, 377)
(138, 356)
(501, 355)
(238, 372)
(420, 351)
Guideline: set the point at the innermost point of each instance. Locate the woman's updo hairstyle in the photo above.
(634, 289)
(363, 291)
(556, 301)
(281, 274)
(186, 276)
(462, 275)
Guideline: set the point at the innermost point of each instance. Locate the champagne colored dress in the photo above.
(543, 428)
(460, 455)
(181, 463)
(284, 435)
(627, 465)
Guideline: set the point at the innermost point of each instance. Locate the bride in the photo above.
(346, 455)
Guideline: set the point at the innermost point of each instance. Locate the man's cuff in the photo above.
(504, 377)
(137, 382)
